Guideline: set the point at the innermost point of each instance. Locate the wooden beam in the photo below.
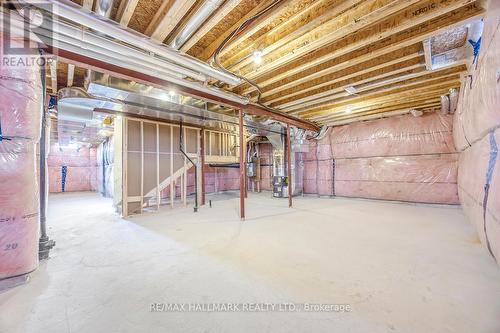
(173, 16)
(415, 102)
(210, 49)
(298, 43)
(303, 32)
(160, 13)
(71, 74)
(415, 106)
(310, 83)
(212, 22)
(285, 101)
(257, 110)
(427, 54)
(371, 89)
(412, 32)
(379, 115)
(365, 85)
(88, 4)
(282, 26)
(126, 10)
(395, 98)
(407, 95)
(387, 94)
(267, 18)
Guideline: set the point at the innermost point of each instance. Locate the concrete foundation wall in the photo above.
(477, 136)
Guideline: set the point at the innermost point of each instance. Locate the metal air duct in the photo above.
(202, 14)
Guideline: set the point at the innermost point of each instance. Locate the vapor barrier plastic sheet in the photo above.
(80, 165)
(20, 112)
(402, 158)
(477, 135)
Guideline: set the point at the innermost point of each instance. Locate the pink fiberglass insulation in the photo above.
(104, 180)
(477, 136)
(266, 166)
(401, 158)
(20, 112)
(81, 167)
(221, 179)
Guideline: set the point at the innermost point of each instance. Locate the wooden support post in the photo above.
(289, 164)
(202, 166)
(242, 167)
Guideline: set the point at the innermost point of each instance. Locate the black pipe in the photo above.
(181, 148)
(44, 244)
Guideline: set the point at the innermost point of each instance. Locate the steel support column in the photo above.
(289, 164)
(242, 166)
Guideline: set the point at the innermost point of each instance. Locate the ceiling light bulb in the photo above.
(257, 57)
(171, 93)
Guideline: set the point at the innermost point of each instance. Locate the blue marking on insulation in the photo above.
(476, 47)
(52, 102)
(493, 158)
(64, 172)
(489, 176)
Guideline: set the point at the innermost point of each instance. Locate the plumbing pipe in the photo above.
(86, 39)
(202, 14)
(71, 44)
(73, 12)
(181, 148)
(44, 243)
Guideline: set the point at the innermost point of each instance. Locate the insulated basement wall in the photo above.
(80, 167)
(21, 96)
(403, 158)
(266, 166)
(477, 136)
(105, 168)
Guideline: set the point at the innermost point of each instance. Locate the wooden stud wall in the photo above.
(152, 159)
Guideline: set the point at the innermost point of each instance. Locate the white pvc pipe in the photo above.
(74, 13)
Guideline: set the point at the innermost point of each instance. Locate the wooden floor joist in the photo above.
(318, 56)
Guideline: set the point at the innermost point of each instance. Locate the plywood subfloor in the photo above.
(402, 268)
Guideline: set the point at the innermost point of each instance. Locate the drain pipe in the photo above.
(72, 12)
(181, 148)
(45, 244)
(207, 9)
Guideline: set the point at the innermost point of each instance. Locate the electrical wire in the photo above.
(240, 28)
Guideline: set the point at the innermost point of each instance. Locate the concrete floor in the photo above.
(401, 268)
